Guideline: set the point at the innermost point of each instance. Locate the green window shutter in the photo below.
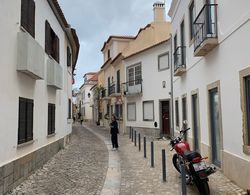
(49, 119)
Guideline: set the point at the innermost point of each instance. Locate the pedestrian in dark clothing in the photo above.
(114, 131)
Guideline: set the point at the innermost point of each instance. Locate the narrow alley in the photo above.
(86, 165)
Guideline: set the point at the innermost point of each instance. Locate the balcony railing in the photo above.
(103, 93)
(111, 89)
(54, 74)
(180, 60)
(30, 56)
(133, 88)
(205, 30)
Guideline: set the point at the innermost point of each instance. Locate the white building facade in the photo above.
(147, 90)
(87, 105)
(38, 55)
(211, 85)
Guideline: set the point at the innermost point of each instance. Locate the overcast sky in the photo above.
(96, 20)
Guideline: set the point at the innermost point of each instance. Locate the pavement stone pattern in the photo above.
(138, 178)
(79, 169)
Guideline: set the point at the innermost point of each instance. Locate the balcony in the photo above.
(30, 56)
(180, 61)
(205, 30)
(54, 74)
(111, 89)
(133, 88)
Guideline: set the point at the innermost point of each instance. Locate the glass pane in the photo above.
(131, 112)
(163, 62)
(148, 111)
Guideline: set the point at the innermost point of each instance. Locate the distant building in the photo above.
(90, 79)
(39, 51)
(211, 85)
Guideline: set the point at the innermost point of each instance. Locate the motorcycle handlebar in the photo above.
(185, 130)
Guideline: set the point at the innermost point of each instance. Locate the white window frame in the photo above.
(128, 114)
(161, 56)
(143, 110)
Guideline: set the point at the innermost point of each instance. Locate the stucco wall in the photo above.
(15, 84)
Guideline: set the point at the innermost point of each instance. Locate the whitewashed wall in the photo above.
(223, 63)
(151, 84)
(15, 84)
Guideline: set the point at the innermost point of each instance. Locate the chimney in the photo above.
(159, 12)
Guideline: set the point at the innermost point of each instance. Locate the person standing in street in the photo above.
(114, 131)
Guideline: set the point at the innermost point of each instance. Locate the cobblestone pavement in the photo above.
(137, 178)
(79, 169)
(82, 167)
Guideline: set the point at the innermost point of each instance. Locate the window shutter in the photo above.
(68, 57)
(24, 14)
(53, 114)
(118, 81)
(31, 17)
(21, 121)
(29, 119)
(47, 38)
(57, 50)
(49, 119)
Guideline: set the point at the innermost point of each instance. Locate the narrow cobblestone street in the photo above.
(82, 169)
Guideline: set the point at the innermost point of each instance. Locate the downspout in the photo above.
(172, 88)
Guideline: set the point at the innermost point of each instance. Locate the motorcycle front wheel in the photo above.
(176, 162)
(203, 187)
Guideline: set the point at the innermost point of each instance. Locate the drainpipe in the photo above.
(172, 88)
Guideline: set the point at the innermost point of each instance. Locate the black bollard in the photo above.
(139, 140)
(145, 147)
(163, 165)
(152, 154)
(132, 135)
(135, 138)
(183, 180)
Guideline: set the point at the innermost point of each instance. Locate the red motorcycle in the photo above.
(197, 171)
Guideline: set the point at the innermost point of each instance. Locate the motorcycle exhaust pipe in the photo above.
(210, 170)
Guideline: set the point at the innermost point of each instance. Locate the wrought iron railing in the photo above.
(133, 87)
(205, 24)
(111, 89)
(180, 57)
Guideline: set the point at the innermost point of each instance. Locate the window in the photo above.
(191, 20)
(118, 110)
(175, 42)
(131, 114)
(25, 120)
(134, 75)
(51, 42)
(51, 118)
(118, 89)
(245, 104)
(109, 84)
(163, 61)
(83, 111)
(183, 33)
(83, 95)
(247, 97)
(107, 109)
(184, 114)
(108, 54)
(28, 16)
(148, 110)
(177, 113)
(68, 57)
(69, 109)
(112, 109)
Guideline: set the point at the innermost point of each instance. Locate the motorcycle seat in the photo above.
(190, 155)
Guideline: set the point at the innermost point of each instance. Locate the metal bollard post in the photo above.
(130, 130)
(183, 180)
(139, 140)
(152, 154)
(132, 135)
(163, 165)
(145, 147)
(135, 138)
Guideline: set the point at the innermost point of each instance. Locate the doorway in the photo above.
(215, 126)
(165, 118)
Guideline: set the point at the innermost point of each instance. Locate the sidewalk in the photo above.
(138, 178)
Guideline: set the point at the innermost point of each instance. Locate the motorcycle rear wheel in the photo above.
(176, 162)
(203, 187)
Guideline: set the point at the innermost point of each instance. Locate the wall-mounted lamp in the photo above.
(164, 84)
